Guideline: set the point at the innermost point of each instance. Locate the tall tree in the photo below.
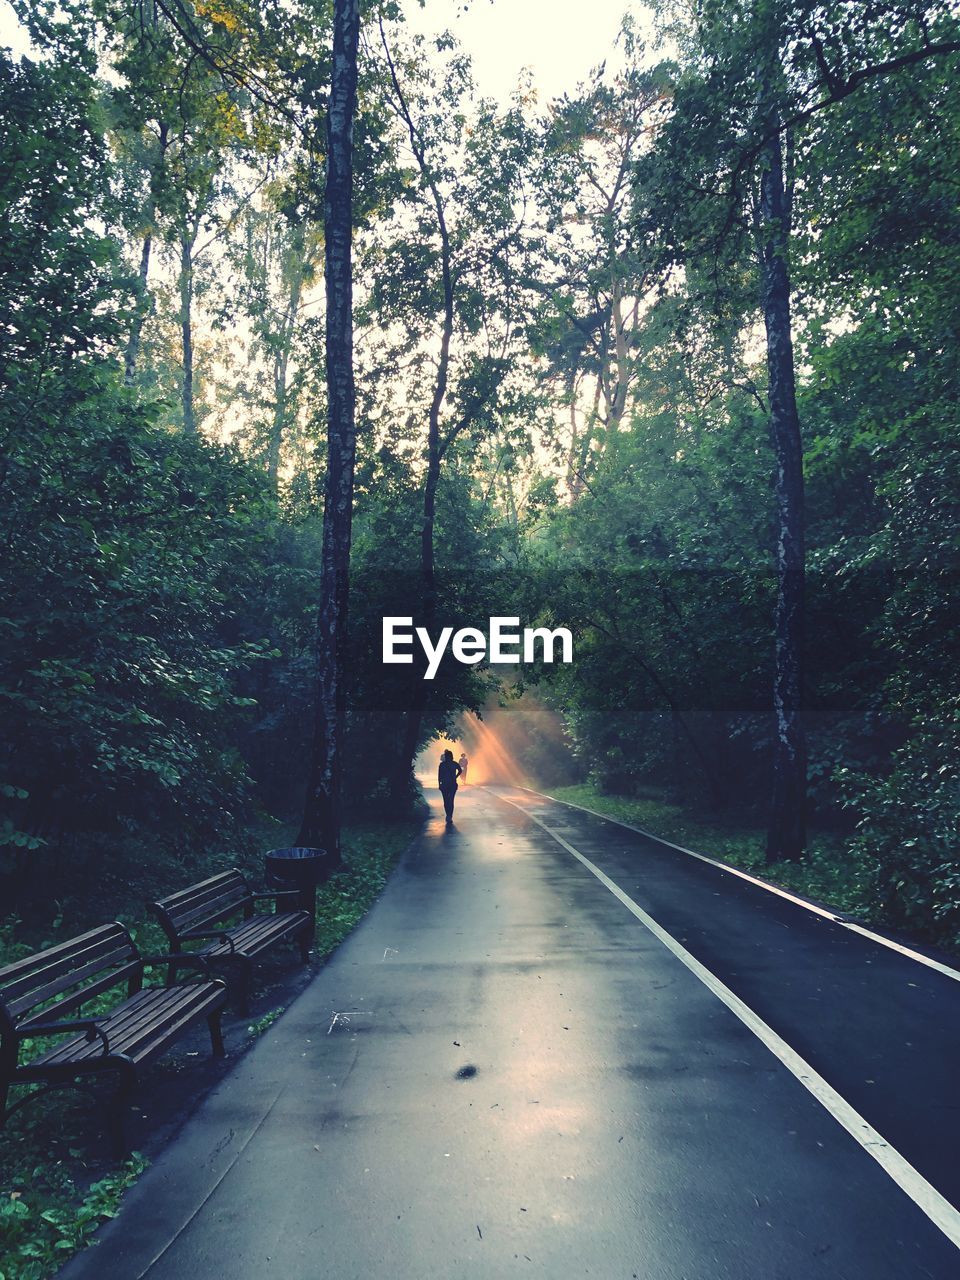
(455, 277)
(193, 145)
(786, 835)
(745, 89)
(599, 269)
(321, 819)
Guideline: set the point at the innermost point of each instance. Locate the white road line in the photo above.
(824, 912)
(925, 1196)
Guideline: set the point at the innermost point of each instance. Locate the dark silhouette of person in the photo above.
(463, 762)
(447, 774)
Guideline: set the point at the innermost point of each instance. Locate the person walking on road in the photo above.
(447, 775)
(463, 762)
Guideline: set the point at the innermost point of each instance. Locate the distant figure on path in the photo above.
(447, 775)
(463, 765)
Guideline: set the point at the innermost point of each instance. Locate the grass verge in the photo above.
(56, 1183)
(826, 873)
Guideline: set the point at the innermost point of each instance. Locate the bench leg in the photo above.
(245, 986)
(8, 1066)
(216, 1034)
(304, 944)
(117, 1112)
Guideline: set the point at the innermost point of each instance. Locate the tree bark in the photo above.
(282, 361)
(786, 836)
(572, 479)
(619, 399)
(186, 331)
(435, 448)
(132, 354)
(322, 810)
(418, 696)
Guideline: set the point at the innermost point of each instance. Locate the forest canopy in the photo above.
(670, 360)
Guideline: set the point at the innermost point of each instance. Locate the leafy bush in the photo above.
(909, 832)
(39, 1232)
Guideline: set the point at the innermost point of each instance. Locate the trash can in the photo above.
(301, 869)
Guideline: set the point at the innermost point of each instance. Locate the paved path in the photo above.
(504, 1072)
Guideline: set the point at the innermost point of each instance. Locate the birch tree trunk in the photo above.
(322, 811)
(282, 361)
(132, 353)
(186, 330)
(403, 766)
(418, 697)
(786, 836)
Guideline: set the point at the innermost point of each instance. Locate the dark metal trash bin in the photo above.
(301, 869)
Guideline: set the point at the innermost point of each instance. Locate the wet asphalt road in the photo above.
(503, 1072)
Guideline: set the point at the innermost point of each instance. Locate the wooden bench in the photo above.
(36, 993)
(203, 913)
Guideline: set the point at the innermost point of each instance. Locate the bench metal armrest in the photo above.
(208, 933)
(187, 958)
(92, 1028)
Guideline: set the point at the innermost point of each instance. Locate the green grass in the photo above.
(370, 852)
(827, 873)
(50, 1217)
(265, 1023)
(53, 1194)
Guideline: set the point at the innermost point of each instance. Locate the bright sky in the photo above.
(11, 33)
(560, 41)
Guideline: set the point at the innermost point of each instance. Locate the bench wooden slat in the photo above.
(215, 898)
(209, 901)
(164, 1007)
(38, 970)
(150, 1049)
(119, 968)
(43, 987)
(258, 934)
(122, 1026)
(145, 1015)
(208, 907)
(210, 916)
(213, 884)
(139, 1024)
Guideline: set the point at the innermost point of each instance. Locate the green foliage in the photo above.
(370, 852)
(908, 831)
(120, 589)
(660, 566)
(40, 1230)
(662, 555)
(472, 585)
(265, 1023)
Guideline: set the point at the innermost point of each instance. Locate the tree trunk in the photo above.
(132, 353)
(282, 360)
(322, 810)
(786, 836)
(136, 329)
(186, 332)
(418, 696)
(413, 720)
(619, 400)
(572, 479)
